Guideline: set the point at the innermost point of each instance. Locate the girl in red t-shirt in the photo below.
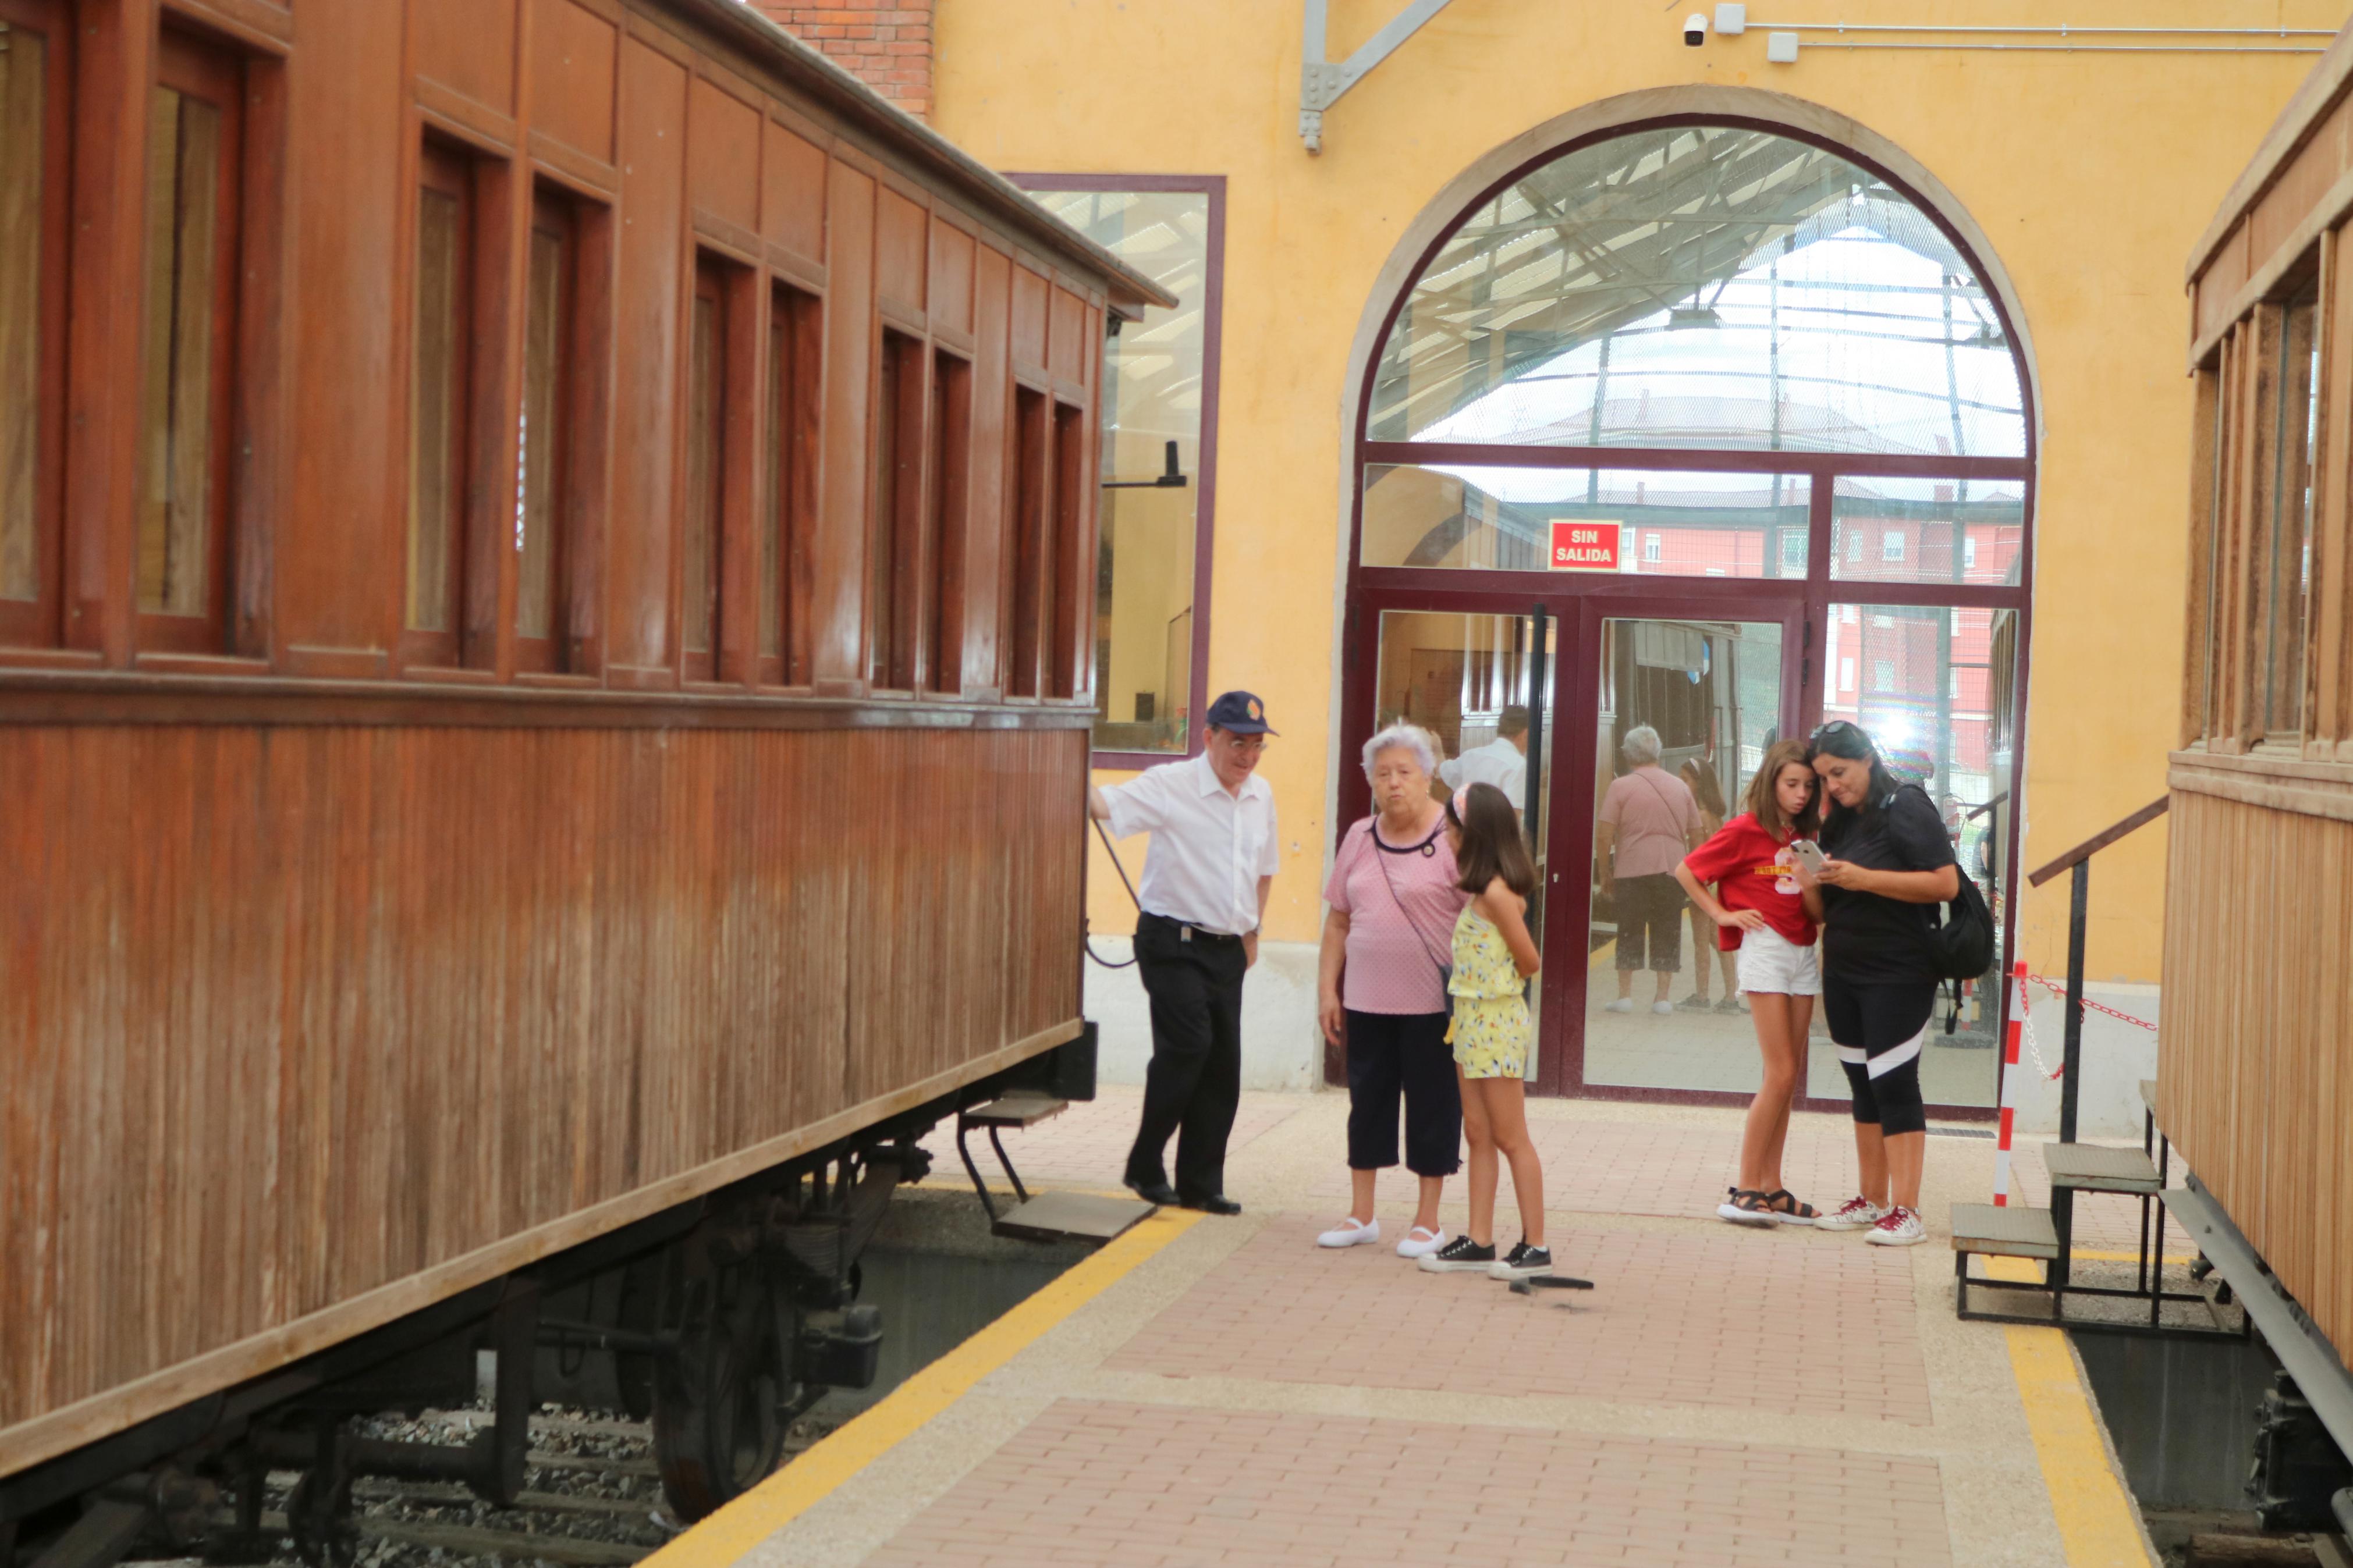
(1763, 912)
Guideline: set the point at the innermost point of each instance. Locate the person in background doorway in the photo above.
(1700, 778)
(1889, 861)
(1502, 762)
(1212, 859)
(1767, 919)
(1381, 987)
(1494, 957)
(1648, 822)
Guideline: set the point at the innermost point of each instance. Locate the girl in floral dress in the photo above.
(1494, 956)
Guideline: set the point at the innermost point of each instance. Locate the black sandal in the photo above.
(1747, 1206)
(1786, 1208)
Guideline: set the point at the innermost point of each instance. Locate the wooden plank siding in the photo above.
(2254, 1082)
(2254, 1073)
(299, 1013)
(347, 968)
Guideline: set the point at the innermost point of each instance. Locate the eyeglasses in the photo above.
(1247, 748)
(1836, 726)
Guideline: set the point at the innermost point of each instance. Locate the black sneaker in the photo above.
(1523, 1262)
(1457, 1255)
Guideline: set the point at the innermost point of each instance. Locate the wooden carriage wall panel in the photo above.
(652, 280)
(1072, 346)
(1028, 320)
(573, 54)
(900, 248)
(992, 385)
(2257, 1089)
(951, 291)
(2300, 187)
(723, 150)
(467, 46)
(348, 451)
(477, 980)
(792, 209)
(838, 598)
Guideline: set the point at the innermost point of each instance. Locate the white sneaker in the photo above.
(1421, 1242)
(1349, 1232)
(1899, 1226)
(1623, 1005)
(1663, 1008)
(1855, 1213)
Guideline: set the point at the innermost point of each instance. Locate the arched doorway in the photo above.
(1709, 425)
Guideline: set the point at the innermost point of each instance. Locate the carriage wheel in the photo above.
(718, 1427)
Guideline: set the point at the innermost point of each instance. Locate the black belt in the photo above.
(1187, 931)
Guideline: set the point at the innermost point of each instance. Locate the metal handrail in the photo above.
(2099, 841)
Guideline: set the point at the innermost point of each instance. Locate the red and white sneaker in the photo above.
(1855, 1213)
(1899, 1226)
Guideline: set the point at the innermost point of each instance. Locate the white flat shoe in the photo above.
(1421, 1242)
(1349, 1232)
(1623, 1005)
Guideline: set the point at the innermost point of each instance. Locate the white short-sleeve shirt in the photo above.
(1209, 849)
(1498, 762)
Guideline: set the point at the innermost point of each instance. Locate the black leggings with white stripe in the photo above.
(1879, 1031)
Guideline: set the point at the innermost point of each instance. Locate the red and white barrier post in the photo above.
(2009, 1077)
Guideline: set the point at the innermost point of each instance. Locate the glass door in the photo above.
(1482, 684)
(1685, 707)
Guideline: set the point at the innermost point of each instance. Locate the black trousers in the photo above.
(1393, 1055)
(1195, 1077)
(1879, 1031)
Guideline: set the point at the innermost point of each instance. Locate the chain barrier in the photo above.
(2061, 991)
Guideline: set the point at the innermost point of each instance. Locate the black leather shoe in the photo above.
(1159, 1193)
(1216, 1203)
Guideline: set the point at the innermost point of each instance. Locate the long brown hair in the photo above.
(1704, 788)
(1492, 845)
(1764, 802)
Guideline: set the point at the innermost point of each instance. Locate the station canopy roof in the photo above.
(1701, 286)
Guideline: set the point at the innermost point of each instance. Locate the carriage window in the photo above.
(543, 512)
(895, 545)
(951, 455)
(440, 401)
(192, 157)
(789, 440)
(1062, 593)
(1025, 526)
(2285, 558)
(706, 472)
(34, 131)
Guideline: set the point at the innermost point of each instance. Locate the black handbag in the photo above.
(1962, 943)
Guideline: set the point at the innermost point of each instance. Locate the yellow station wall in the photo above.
(2090, 176)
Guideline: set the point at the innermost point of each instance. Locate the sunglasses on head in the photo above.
(1838, 727)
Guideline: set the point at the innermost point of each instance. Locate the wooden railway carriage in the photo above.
(544, 551)
(2255, 1076)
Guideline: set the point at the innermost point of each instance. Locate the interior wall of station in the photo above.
(2090, 175)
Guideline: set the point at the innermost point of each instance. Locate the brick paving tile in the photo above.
(1799, 1325)
(1424, 1493)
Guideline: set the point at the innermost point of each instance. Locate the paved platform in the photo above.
(1220, 1391)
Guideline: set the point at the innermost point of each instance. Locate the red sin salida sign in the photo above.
(1581, 545)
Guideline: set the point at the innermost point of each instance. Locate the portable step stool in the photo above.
(1048, 1217)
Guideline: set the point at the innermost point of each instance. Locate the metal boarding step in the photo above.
(2095, 1168)
(1988, 1230)
(1046, 1217)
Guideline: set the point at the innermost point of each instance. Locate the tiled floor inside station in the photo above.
(1725, 1397)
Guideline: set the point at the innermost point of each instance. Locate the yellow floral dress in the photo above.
(1489, 1031)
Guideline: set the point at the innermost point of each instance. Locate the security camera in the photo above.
(1696, 29)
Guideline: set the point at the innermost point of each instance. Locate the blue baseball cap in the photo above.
(1239, 713)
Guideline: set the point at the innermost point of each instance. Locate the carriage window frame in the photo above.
(37, 125)
(549, 506)
(191, 68)
(790, 432)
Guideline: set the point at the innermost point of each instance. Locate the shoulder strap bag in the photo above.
(1445, 970)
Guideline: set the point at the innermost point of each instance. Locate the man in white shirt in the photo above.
(1502, 762)
(1206, 876)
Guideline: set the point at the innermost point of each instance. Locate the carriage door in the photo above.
(1716, 692)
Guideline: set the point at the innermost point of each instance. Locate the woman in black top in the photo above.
(1889, 862)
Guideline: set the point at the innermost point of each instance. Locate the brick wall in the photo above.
(886, 44)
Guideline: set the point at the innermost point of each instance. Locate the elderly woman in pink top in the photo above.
(1382, 987)
(1648, 822)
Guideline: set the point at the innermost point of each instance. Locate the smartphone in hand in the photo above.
(1808, 854)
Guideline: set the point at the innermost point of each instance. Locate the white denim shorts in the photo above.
(1772, 964)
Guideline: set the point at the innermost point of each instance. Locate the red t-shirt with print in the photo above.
(1751, 870)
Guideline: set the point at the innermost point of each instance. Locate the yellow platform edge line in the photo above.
(2098, 1526)
(732, 1532)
